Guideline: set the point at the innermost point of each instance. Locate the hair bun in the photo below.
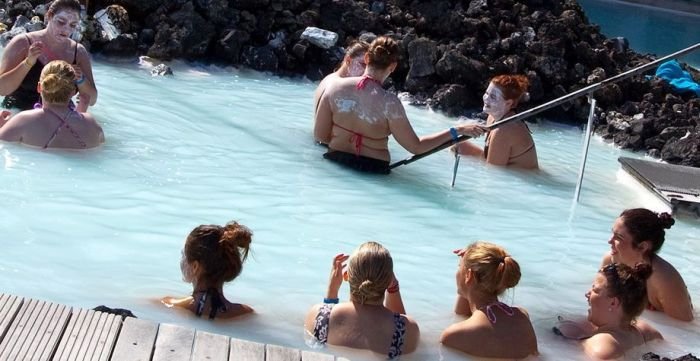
(238, 234)
(666, 220)
(642, 271)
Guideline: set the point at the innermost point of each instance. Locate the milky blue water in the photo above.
(648, 29)
(211, 145)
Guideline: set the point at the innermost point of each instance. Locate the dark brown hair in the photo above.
(645, 225)
(383, 52)
(629, 285)
(512, 86)
(58, 5)
(220, 251)
(495, 269)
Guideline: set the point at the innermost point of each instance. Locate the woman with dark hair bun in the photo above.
(492, 328)
(616, 298)
(637, 237)
(355, 116)
(213, 255)
(511, 144)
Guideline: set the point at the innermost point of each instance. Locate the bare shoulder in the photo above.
(602, 346)
(648, 331)
(607, 259)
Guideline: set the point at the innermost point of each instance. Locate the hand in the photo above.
(472, 130)
(4, 116)
(393, 285)
(78, 72)
(460, 252)
(34, 51)
(336, 277)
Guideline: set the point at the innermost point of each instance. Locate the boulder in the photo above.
(319, 37)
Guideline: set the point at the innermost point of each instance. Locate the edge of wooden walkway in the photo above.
(43, 331)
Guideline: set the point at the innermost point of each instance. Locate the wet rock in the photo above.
(452, 99)
(319, 37)
(124, 313)
(231, 44)
(124, 45)
(260, 58)
(684, 150)
(455, 67)
(161, 70)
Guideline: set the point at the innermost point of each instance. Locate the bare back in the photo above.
(44, 129)
(359, 118)
(511, 145)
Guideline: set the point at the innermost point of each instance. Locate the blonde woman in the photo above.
(492, 328)
(374, 318)
(55, 124)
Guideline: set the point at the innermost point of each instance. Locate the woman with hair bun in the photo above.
(355, 116)
(213, 255)
(55, 124)
(492, 328)
(637, 237)
(616, 298)
(374, 318)
(510, 144)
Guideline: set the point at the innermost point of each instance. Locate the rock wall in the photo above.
(450, 50)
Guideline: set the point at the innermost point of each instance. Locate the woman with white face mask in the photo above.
(26, 54)
(510, 144)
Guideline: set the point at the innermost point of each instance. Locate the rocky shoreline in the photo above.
(451, 49)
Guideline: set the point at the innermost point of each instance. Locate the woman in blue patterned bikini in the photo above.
(374, 318)
(485, 270)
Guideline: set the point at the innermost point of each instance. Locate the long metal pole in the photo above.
(553, 103)
(586, 144)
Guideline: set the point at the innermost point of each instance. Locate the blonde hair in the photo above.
(370, 271)
(57, 82)
(495, 270)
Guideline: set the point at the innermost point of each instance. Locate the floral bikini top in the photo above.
(397, 339)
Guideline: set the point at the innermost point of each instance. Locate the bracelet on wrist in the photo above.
(26, 63)
(331, 300)
(81, 80)
(453, 133)
(394, 287)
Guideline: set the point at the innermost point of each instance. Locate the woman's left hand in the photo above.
(336, 277)
(4, 116)
(472, 130)
(78, 72)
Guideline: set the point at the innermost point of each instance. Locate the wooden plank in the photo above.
(316, 356)
(108, 338)
(70, 337)
(242, 350)
(174, 343)
(210, 347)
(9, 307)
(52, 333)
(38, 338)
(87, 348)
(136, 340)
(15, 339)
(281, 353)
(83, 334)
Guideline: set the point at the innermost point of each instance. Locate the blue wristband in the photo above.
(453, 133)
(331, 300)
(80, 81)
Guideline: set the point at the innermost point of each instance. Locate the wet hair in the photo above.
(645, 225)
(220, 252)
(383, 52)
(494, 269)
(370, 271)
(629, 285)
(59, 5)
(356, 48)
(57, 82)
(513, 87)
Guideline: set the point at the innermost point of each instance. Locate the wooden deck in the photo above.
(37, 330)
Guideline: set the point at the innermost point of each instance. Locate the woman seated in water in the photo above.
(616, 298)
(637, 237)
(55, 124)
(212, 256)
(353, 64)
(374, 318)
(26, 55)
(355, 116)
(510, 144)
(492, 328)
